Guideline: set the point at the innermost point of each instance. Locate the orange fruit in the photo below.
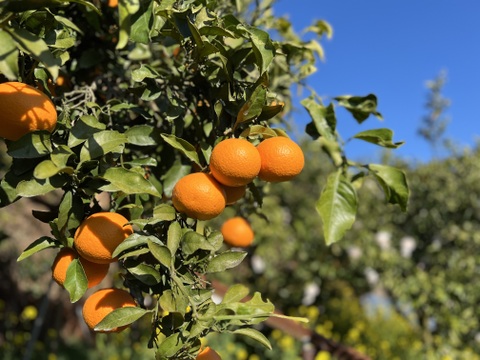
(235, 162)
(112, 3)
(282, 159)
(234, 193)
(208, 354)
(98, 236)
(103, 302)
(95, 272)
(24, 109)
(199, 196)
(237, 232)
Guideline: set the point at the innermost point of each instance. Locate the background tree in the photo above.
(435, 122)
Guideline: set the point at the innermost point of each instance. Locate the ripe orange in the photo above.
(95, 272)
(237, 232)
(112, 3)
(235, 162)
(103, 302)
(24, 109)
(208, 354)
(282, 159)
(199, 196)
(98, 236)
(234, 193)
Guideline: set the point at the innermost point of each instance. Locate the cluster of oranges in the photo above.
(234, 163)
(94, 243)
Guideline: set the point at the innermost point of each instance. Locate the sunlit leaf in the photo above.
(337, 207)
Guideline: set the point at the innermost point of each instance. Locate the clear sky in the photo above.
(391, 48)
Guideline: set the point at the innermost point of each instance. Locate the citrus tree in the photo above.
(160, 105)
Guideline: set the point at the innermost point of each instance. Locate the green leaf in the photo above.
(161, 253)
(121, 317)
(193, 241)
(128, 181)
(34, 187)
(8, 56)
(133, 241)
(255, 335)
(141, 22)
(37, 48)
(215, 238)
(164, 212)
(183, 146)
(142, 135)
(47, 169)
(84, 129)
(382, 137)
(171, 177)
(235, 293)
(250, 312)
(170, 346)
(393, 182)
(42, 243)
(31, 146)
(70, 212)
(143, 72)
(225, 261)
(174, 235)
(126, 8)
(263, 47)
(145, 273)
(337, 207)
(361, 107)
(324, 119)
(76, 282)
(102, 143)
(253, 107)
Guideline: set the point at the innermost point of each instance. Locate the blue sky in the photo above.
(391, 48)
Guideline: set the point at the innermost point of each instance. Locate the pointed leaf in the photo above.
(225, 261)
(164, 212)
(381, 137)
(102, 143)
(76, 282)
(361, 107)
(255, 335)
(142, 135)
(128, 181)
(253, 107)
(183, 146)
(323, 118)
(393, 182)
(174, 236)
(44, 242)
(161, 253)
(337, 207)
(121, 317)
(235, 293)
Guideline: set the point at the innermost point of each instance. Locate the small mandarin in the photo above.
(103, 302)
(24, 109)
(234, 193)
(282, 159)
(235, 162)
(98, 236)
(208, 354)
(95, 272)
(237, 232)
(199, 196)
